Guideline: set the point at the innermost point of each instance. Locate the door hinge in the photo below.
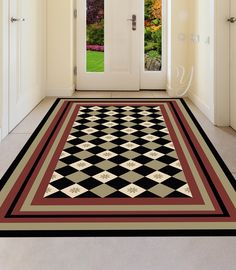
(75, 71)
(75, 13)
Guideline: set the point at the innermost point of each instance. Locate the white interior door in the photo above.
(27, 59)
(233, 65)
(121, 47)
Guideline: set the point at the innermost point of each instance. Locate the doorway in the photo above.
(121, 45)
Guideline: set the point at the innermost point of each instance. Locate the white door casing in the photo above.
(121, 48)
(26, 58)
(124, 49)
(233, 67)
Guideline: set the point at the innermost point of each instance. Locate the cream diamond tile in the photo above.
(70, 137)
(111, 113)
(85, 145)
(150, 137)
(132, 190)
(76, 124)
(103, 190)
(56, 176)
(128, 118)
(158, 177)
(93, 118)
(165, 130)
(104, 177)
(153, 154)
(161, 190)
(185, 190)
(170, 145)
(107, 154)
(90, 130)
(131, 165)
(74, 190)
(50, 190)
(129, 130)
(95, 108)
(176, 164)
(157, 108)
(144, 113)
(110, 124)
(147, 124)
(130, 145)
(109, 137)
(127, 108)
(64, 155)
(81, 165)
(160, 118)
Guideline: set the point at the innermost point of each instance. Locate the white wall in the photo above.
(60, 45)
(1, 67)
(179, 18)
(201, 53)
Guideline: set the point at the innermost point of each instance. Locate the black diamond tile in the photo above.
(118, 159)
(145, 183)
(94, 159)
(167, 159)
(58, 194)
(117, 194)
(118, 183)
(170, 170)
(66, 170)
(62, 183)
(173, 183)
(88, 194)
(92, 170)
(118, 170)
(70, 159)
(90, 183)
(177, 194)
(143, 170)
(142, 159)
(147, 194)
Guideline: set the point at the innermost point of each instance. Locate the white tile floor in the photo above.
(117, 253)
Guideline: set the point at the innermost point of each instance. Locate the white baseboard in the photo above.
(60, 92)
(202, 106)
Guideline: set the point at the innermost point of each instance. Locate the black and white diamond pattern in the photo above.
(118, 152)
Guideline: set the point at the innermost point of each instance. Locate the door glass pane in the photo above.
(153, 35)
(95, 36)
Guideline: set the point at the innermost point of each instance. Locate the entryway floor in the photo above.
(117, 253)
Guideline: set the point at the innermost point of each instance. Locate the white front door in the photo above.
(26, 57)
(112, 45)
(233, 65)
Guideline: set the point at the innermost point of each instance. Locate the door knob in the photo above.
(134, 22)
(232, 20)
(13, 19)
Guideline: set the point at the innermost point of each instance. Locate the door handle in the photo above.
(13, 19)
(134, 22)
(232, 20)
